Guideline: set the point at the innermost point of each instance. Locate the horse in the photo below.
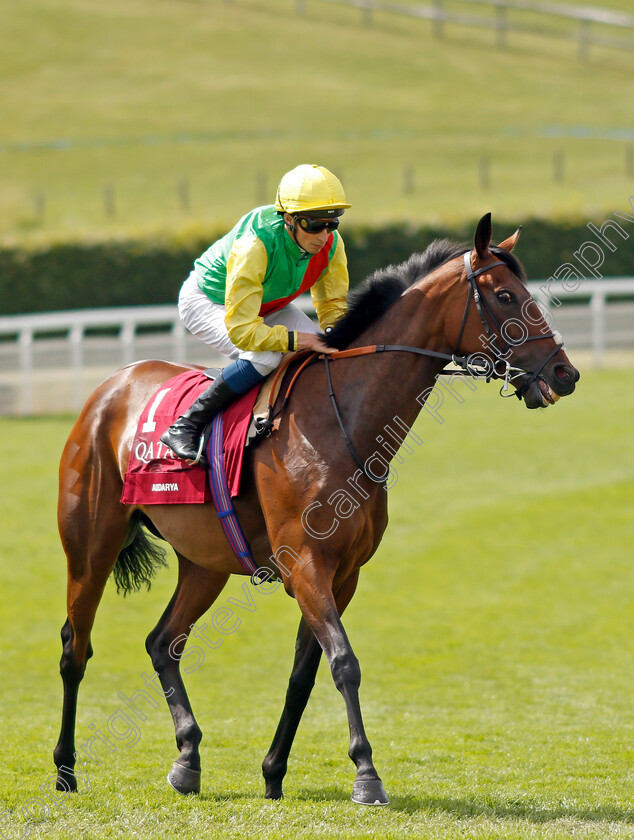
(313, 504)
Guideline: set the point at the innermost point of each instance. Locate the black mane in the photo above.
(382, 288)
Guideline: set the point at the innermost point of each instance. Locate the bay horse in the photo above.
(398, 335)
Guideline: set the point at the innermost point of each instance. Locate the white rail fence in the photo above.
(50, 362)
(528, 16)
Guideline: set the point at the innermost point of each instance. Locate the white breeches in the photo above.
(206, 320)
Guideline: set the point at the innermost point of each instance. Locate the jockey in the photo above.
(238, 299)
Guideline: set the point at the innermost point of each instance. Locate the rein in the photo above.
(467, 367)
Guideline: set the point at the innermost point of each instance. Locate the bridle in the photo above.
(487, 316)
(466, 365)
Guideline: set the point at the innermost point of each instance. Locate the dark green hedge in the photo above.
(83, 276)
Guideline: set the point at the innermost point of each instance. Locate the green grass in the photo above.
(494, 630)
(226, 96)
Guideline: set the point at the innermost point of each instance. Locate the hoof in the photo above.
(183, 780)
(273, 790)
(369, 792)
(66, 780)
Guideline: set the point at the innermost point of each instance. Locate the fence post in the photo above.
(584, 38)
(179, 335)
(501, 26)
(439, 17)
(367, 9)
(261, 188)
(408, 180)
(597, 309)
(76, 364)
(183, 194)
(127, 342)
(108, 202)
(26, 370)
(39, 206)
(300, 7)
(485, 173)
(558, 166)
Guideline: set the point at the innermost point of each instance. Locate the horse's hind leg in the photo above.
(307, 657)
(196, 591)
(83, 601)
(92, 540)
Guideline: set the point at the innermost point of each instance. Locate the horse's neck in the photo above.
(398, 383)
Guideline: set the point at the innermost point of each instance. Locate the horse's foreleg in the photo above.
(312, 590)
(307, 657)
(300, 685)
(196, 591)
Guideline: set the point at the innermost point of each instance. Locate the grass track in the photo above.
(494, 630)
(225, 97)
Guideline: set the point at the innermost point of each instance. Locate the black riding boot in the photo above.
(183, 437)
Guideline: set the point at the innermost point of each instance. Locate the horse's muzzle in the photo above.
(549, 386)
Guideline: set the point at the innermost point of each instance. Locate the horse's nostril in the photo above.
(566, 373)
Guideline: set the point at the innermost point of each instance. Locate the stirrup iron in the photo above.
(201, 446)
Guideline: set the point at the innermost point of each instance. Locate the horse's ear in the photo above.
(482, 238)
(511, 242)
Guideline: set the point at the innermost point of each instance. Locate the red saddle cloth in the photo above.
(155, 476)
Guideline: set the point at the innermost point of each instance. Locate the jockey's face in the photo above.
(311, 242)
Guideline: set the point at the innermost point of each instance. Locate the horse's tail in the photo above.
(139, 559)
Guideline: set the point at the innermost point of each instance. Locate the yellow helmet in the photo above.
(309, 188)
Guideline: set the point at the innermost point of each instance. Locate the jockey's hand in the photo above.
(311, 341)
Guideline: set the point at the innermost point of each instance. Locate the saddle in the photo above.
(156, 476)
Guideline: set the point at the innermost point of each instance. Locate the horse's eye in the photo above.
(505, 296)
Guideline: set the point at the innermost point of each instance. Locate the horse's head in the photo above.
(503, 331)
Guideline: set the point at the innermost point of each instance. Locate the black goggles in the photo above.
(309, 225)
